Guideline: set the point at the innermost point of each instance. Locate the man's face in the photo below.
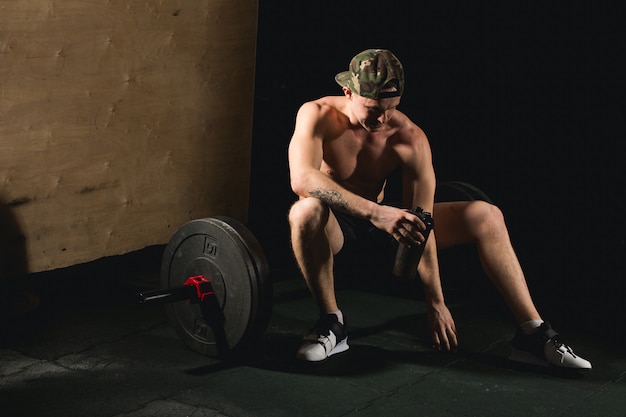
(372, 114)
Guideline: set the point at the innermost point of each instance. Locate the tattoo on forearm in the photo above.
(332, 198)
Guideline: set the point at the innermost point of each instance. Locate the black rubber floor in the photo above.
(90, 350)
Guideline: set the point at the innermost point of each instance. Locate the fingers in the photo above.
(445, 340)
(410, 230)
(405, 236)
(415, 221)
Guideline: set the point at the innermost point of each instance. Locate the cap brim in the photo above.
(343, 78)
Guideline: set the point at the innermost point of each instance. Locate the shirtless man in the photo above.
(342, 151)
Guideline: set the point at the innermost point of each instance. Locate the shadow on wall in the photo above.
(13, 264)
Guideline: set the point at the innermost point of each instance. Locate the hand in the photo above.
(402, 225)
(443, 330)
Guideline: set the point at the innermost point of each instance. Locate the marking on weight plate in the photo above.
(210, 246)
(201, 329)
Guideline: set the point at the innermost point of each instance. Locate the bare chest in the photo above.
(361, 161)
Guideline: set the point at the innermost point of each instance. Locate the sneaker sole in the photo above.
(530, 359)
(341, 347)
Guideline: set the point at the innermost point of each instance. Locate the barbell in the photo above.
(216, 286)
(215, 281)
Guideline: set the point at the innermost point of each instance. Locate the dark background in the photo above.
(525, 101)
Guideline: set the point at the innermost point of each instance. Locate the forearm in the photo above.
(317, 184)
(428, 271)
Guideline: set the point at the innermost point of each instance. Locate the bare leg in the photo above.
(315, 238)
(483, 224)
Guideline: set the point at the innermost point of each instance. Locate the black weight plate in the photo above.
(226, 253)
(459, 191)
(262, 307)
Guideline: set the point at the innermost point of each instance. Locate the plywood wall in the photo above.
(122, 120)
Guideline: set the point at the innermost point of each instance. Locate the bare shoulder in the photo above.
(413, 150)
(408, 133)
(324, 115)
(322, 107)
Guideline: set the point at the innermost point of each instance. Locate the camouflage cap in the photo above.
(370, 72)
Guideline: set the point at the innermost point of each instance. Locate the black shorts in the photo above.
(365, 246)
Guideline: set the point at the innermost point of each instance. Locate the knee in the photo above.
(308, 213)
(485, 219)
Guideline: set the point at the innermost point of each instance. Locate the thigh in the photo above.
(451, 223)
(365, 248)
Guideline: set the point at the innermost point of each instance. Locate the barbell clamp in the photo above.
(202, 285)
(195, 290)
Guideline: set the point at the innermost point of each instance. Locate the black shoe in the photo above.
(545, 348)
(325, 339)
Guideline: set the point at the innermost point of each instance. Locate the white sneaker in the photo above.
(545, 348)
(326, 338)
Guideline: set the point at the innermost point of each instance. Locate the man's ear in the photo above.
(347, 92)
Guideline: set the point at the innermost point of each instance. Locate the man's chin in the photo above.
(371, 128)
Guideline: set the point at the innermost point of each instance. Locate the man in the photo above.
(342, 151)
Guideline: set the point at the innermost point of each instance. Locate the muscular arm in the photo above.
(305, 159)
(419, 184)
(419, 190)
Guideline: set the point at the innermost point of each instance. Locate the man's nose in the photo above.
(383, 117)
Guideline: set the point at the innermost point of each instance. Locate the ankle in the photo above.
(531, 326)
(339, 315)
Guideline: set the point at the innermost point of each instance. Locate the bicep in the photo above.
(419, 179)
(419, 190)
(305, 150)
